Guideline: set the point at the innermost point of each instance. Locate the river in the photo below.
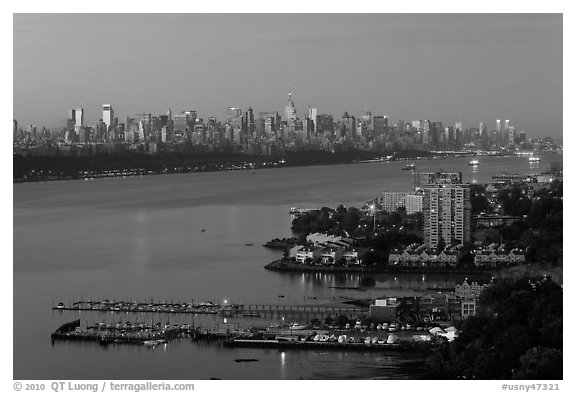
(183, 237)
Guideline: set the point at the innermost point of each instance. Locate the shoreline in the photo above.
(335, 160)
(282, 266)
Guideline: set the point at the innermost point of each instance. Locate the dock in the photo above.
(122, 333)
(309, 345)
(247, 310)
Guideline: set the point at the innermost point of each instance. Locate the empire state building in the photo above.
(290, 110)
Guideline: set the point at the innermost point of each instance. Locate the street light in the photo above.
(373, 208)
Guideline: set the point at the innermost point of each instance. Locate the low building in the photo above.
(384, 310)
(330, 255)
(307, 254)
(468, 308)
(417, 255)
(496, 220)
(470, 290)
(354, 255)
(316, 238)
(493, 256)
(439, 306)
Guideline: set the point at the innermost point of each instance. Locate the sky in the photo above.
(441, 67)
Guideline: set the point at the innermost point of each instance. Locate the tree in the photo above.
(540, 363)
(516, 333)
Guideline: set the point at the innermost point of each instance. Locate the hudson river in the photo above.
(141, 238)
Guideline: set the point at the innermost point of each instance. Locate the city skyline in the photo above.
(455, 68)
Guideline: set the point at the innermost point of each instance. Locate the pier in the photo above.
(309, 345)
(122, 333)
(247, 310)
(232, 335)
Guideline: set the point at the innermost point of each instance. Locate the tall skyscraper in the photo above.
(108, 115)
(75, 118)
(446, 209)
(79, 117)
(426, 139)
(312, 115)
(290, 110)
(499, 133)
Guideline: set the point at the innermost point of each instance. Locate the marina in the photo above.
(282, 337)
(247, 310)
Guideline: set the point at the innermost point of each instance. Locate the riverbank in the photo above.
(283, 265)
(33, 168)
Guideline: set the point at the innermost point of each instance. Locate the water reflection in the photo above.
(314, 282)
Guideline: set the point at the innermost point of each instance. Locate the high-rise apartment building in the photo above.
(446, 209)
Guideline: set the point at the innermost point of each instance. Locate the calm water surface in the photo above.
(141, 238)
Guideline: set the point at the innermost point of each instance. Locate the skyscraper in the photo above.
(290, 110)
(108, 115)
(79, 117)
(499, 133)
(446, 209)
(75, 118)
(312, 115)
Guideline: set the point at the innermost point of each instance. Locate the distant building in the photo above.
(75, 118)
(108, 115)
(290, 111)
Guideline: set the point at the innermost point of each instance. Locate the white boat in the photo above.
(151, 343)
(473, 163)
(534, 159)
(296, 326)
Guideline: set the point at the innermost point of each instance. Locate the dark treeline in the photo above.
(516, 334)
(30, 167)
